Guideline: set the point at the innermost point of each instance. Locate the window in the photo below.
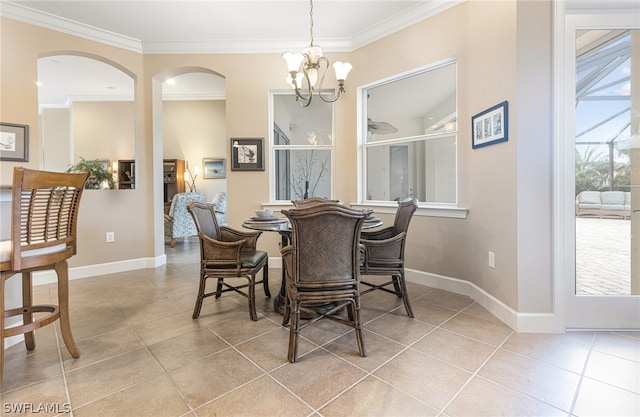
(409, 148)
(301, 149)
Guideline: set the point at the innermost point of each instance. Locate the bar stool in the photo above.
(44, 210)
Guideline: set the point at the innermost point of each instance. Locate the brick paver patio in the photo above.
(603, 256)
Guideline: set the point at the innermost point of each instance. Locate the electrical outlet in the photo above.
(111, 237)
(492, 260)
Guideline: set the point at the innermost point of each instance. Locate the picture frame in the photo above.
(14, 142)
(247, 154)
(105, 163)
(490, 126)
(213, 168)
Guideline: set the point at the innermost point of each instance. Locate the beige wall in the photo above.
(486, 38)
(194, 130)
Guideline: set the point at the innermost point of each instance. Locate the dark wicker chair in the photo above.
(383, 253)
(311, 201)
(322, 267)
(227, 253)
(44, 213)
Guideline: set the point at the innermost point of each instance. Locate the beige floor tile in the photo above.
(481, 312)
(91, 325)
(203, 380)
(373, 397)
(150, 309)
(567, 350)
(455, 349)
(109, 376)
(486, 331)
(261, 397)
(221, 309)
(544, 382)
(164, 328)
(430, 380)
(399, 328)
(317, 388)
(121, 372)
(153, 398)
(379, 350)
(23, 368)
(239, 329)
(192, 346)
(102, 347)
(269, 350)
(599, 399)
(447, 299)
(614, 370)
(324, 331)
(49, 392)
(624, 345)
(433, 314)
(482, 398)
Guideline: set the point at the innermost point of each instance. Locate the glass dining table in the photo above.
(282, 226)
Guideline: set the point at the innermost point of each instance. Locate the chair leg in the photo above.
(173, 242)
(358, 326)
(396, 285)
(219, 287)
(252, 298)
(201, 288)
(294, 330)
(265, 279)
(27, 301)
(405, 295)
(62, 270)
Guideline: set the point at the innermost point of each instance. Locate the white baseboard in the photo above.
(519, 322)
(49, 277)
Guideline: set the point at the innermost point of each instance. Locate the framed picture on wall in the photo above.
(213, 168)
(490, 126)
(247, 154)
(14, 142)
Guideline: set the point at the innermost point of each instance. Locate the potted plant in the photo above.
(100, 176)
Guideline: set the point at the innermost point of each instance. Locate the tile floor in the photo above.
(143, 355)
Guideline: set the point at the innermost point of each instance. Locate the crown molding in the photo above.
(59, 24)
(219, 46)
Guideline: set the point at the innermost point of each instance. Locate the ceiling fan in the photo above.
(380, 128)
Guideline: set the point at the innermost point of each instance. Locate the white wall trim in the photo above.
(520, 322)
(49, 277)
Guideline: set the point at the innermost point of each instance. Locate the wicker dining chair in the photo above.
(227, 254)
(322, 267)
(311, 201)
(44, 212)
(383, 254)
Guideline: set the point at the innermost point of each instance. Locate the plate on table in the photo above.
(271, 219)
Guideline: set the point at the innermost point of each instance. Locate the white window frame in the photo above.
(273, 148)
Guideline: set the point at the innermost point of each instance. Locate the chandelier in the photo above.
(304, 68)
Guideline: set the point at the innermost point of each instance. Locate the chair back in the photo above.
(406, 208)
(182, 225)
(325, 243)
(311, 201)
(204, 217)
(44, 213)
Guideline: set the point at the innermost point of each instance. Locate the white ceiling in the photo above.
(213, 26)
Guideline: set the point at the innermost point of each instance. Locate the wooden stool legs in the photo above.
(60, 311)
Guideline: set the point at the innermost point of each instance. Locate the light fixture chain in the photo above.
(311, 20)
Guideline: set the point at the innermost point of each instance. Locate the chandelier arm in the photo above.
(327, 98)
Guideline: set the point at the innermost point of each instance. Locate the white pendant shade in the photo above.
(293, 59)
(342, 69)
